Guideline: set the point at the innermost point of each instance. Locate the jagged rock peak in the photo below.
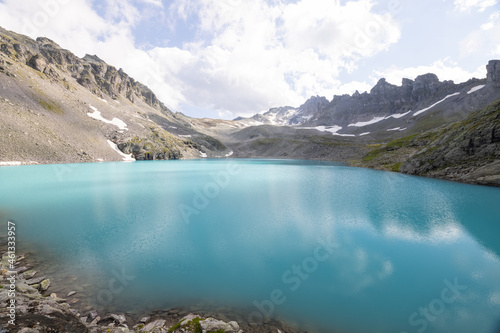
(428, 78)
(493, 72)
(406, 82)
(313, 104)
(382, 86)
(93, 58)
(47, 42)
(315, 100)
(91, 72)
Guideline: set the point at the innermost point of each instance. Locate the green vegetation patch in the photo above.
(51, 106)
(395, 167)
(192, 325)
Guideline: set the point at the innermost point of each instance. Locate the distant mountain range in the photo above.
(388, 107)
(59, 108)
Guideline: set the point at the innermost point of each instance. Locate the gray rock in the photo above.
(29, 274)
(25, 288)
(93, 314)
(212, 325)
(493, 72)
(45, 284)
(156, 325)
(28, 330)
(36, 280)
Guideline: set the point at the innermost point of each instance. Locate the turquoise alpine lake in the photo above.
(322, 246)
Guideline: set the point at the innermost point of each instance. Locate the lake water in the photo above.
(326, 247)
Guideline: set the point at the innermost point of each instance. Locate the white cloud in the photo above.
(156, 3)
(468, 5)
(492, 21)
(259, 54)
(445, 69)
(485, 40)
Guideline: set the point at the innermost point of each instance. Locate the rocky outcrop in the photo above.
(493, 72)
(46, 56)
(467, 151)
(37, 312)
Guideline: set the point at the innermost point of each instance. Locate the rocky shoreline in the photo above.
(37, 309)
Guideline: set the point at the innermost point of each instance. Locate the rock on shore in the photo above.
(36, 312)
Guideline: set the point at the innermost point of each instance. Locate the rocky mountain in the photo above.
(424, 127)
(390, 108)
(287, 115)
(57, 107)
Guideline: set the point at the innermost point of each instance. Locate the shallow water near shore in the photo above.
(323, 246)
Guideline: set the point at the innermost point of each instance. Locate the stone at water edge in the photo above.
(24, 288)
(145, 319)
(29, 274)
(95, 321)
(93, 314)
(71, 293)
(157, 324)
(36, 280)
(45, 284)
(211, 324)
(188, 318)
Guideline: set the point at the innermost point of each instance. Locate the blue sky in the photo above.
(227, 58)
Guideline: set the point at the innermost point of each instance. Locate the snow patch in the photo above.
(476, 88)
(102, 100)
(202, 154)
(185, 136)
(16, 163)
(115, 121)
(100, 160)
(229, 154)
(433, 105)
(126, 158)
(11, 163)
(369, 122)
(397, 115)
(396, 129)
(332, 129)
(366, 133)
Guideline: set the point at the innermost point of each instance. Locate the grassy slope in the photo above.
(467, 151)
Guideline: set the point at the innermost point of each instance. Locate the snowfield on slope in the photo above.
(433, 105)
(115, 121)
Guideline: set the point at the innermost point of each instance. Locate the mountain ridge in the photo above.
(59, 108)
(384, 100)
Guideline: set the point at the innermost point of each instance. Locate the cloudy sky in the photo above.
(225, 58)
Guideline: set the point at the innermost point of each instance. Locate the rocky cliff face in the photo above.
(44, 55)
(493, 73)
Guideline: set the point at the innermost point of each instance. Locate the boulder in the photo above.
(213, 325)
(38, 62)
(44, 285)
